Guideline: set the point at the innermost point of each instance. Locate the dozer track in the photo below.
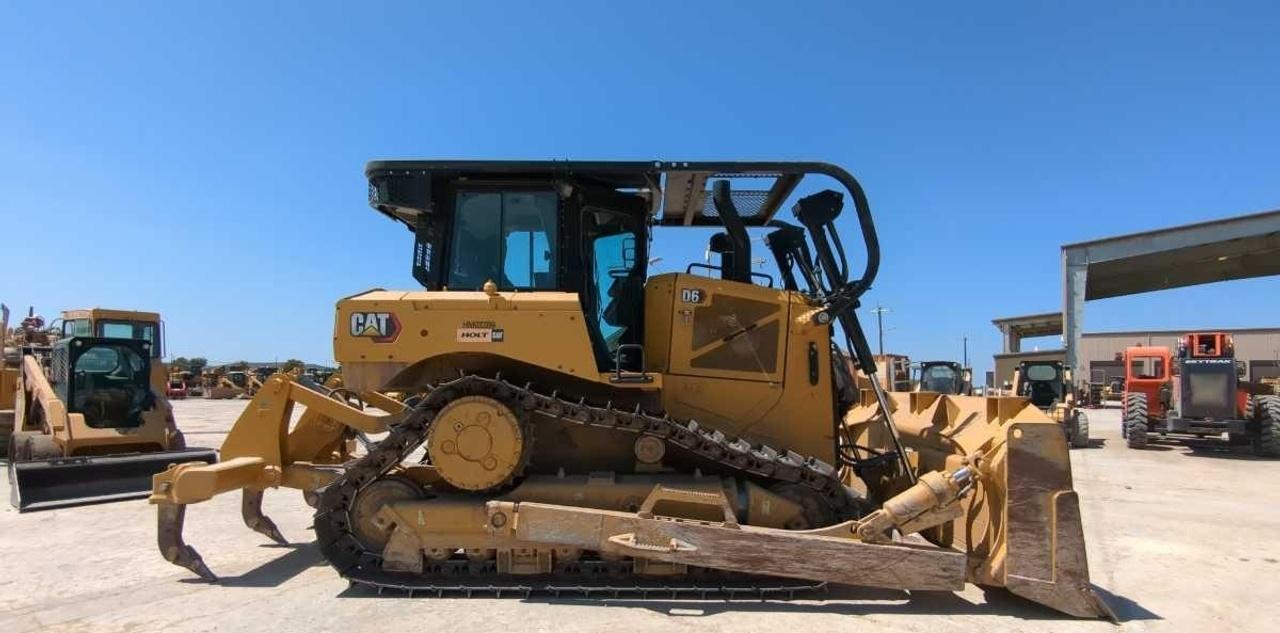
(457, 575)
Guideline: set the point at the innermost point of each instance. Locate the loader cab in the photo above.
(946, 377)
(107, 380)
(1044, 383)
(127, 324)
(123, 324)
(1149, 371)
(1207, 376)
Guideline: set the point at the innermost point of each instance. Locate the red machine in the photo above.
(176, 389)
(1199, 393)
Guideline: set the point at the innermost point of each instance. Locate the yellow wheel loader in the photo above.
(575, 425)
(90, 419)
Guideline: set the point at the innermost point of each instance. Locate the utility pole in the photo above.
(879, 312)
(966, 351)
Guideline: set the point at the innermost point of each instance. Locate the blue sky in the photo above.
(206, 161)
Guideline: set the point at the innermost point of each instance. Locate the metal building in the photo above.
(1240, 247)
(1259, 348)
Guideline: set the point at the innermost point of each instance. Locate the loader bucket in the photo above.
(68, 481)
(1021, 528)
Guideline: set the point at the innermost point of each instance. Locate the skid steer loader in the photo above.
(90, 420)
(578, 426)
(944, 376)
(1048, 385)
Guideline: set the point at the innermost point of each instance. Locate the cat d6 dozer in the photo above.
(576, 425)
(90, 419)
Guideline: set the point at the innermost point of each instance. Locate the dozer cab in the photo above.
(944, 376)
(1048, 385)
(91, 422)
(1198, 393)
(576, 425)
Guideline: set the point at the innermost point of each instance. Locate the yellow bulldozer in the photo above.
(90, 420)
(575, 425)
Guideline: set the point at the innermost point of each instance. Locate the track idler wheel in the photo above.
(478, 444)
(365, 525)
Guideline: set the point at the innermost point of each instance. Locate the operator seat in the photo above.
(1043, 394)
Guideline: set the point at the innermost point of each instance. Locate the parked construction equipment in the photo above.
(179, 386)
(90, 419)
(587, 427)
(1048, 385)
(944, 376)
(220, 384)
(1199, 394)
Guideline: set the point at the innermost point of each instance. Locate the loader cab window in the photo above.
(1043, 385)
(110, 387)
(1042, 372)
(1147, 368)
(138, 330)
(76, 327)
(940, 379)
(508, 237)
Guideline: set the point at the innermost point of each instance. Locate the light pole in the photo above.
(879, 312)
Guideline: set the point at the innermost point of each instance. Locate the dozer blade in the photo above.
(69, 481)
(1021, 526)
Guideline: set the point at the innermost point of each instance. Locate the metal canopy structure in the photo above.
(1014, 329)
(679, 189)
(1241, 247)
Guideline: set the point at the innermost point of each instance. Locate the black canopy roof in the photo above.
(681, 189)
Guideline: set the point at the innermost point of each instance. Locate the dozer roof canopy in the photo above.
(678, 192)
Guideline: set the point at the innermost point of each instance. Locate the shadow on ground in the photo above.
(835, 600)
(275, 572)
(1223, 450)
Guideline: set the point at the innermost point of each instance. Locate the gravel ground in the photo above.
(1180, 539)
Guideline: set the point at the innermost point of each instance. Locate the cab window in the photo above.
(139, 330)
(1042, 372)
(508, 237)
(75, 327)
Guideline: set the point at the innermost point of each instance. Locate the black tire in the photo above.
(1244, 439)
(1267, 411)
(1080, 430)
(1135, 420)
